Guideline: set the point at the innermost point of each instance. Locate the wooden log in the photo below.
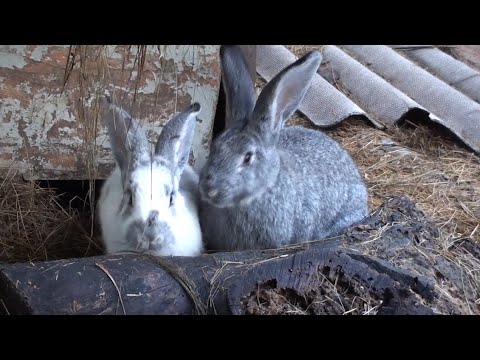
(219, 283)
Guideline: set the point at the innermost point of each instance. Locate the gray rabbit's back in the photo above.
(334, 192)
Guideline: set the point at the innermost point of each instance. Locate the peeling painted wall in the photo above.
(48, 131)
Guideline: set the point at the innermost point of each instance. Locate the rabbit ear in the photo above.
(238, 86)
(283, 94)
(176, 138)
(127, 138)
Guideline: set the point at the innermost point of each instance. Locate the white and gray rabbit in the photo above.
(150, 201)
(265, 185)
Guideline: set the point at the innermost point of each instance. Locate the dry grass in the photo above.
(179, 274)
(300, 50)
(416, 160)
(36, 227)
(332, 297)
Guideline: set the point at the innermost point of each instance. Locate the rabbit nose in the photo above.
(152, 217)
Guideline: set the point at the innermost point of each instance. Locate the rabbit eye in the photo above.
(248, 158)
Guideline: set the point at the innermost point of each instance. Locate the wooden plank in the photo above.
(48, 131)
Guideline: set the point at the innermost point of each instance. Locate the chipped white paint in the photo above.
(112, 53)
(43, 129)
(50, 77)
(201, 141)
(188, 55)
(12, 56)
(133, 75)
(14, 49)
(38, 53)
(150, 87)
(9, 129)
(38, 119)
(25, 87)
(11, 61)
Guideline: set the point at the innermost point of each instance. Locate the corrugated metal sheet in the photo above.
(384, 84)
(49, 131)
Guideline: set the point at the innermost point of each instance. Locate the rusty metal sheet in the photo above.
(52, 131)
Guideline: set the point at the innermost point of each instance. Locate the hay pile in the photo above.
(35, 226)
(331, 298)
(422, 162)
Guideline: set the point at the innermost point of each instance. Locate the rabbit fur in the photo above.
(265, 185)
(150, 201)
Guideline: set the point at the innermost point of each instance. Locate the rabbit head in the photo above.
(140, 204)
(244, 159)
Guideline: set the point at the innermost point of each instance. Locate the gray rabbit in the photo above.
(265, 185)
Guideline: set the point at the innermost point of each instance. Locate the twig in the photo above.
(5, 307)
(114, 284)
(179, 275)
